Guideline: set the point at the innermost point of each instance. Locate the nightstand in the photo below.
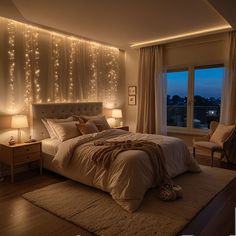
(126, 128)
(14, 155)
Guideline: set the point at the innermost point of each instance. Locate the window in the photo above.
(177, 98)
(194, 96)
(207, 95)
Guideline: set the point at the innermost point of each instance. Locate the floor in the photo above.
(19, 217)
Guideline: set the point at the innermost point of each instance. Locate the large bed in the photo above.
(128, 177)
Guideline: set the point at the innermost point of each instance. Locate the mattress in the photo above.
(50, 146)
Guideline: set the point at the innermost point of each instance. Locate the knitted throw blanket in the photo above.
(110, 149)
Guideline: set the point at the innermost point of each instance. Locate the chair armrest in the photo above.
(203, 138)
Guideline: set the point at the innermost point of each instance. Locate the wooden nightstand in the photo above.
(20, 154)
(126, 128)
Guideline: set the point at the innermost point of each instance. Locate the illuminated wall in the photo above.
(37, 66)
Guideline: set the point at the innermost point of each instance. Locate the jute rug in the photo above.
(96, 212)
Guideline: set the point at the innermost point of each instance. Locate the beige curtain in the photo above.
(151, 91)
(228, 104)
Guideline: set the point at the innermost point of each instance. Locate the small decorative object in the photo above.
(117, 114)
(31, 140)
(132, 100)
(132, 90)
(19, 122)
(12, 141)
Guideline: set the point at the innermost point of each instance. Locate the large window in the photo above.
(194, 96)
(177, 98)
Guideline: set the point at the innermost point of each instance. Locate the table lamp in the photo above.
(19, 122)
(117, 114)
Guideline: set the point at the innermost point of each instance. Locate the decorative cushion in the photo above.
(99, 121)
(87, 128)
(65, 130)
(78, 118)
(222, 133)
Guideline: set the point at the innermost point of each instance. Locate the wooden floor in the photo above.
(18, 217)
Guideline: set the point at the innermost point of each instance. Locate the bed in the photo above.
(128, 177)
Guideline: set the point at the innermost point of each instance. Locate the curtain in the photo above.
(42, 66)
(151, 91)
(228, 104)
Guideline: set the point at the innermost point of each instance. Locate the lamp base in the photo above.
(19, 136)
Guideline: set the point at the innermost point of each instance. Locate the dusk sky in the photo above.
(208, 82)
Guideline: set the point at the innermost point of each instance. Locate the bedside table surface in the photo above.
(19, 144)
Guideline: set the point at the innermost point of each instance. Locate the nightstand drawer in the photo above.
(26, 158)
(24, 150)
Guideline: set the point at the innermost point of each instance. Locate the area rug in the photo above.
(96, 212)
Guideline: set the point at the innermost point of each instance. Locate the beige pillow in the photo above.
(65, 130)
(221, 133)
(48, 128)
(52, 121)
(87, 128)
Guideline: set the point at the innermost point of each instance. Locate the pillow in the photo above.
(52, 121)
(48, 128)
(87, 128)
(78, 118)
(65, 130)
(221, 133)
(99, 121)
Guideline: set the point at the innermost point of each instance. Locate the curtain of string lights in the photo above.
(100, 68)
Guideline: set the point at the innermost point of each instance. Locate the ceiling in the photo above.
(122, 22)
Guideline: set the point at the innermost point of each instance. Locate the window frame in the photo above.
(189, 129)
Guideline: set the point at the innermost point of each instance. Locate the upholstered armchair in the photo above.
(218, 140)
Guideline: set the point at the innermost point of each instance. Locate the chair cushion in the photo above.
(207, 145)
(222, 133)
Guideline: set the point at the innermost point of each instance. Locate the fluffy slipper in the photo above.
(167, 194)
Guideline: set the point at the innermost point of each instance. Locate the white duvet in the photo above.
(131, 174)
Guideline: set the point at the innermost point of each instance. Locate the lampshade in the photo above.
(116, 113)
(19, 122)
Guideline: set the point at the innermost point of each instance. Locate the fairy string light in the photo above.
(92, 94)
(27, 67)
(11, 58)
(56, 65)
(36, 53)
(71, 63)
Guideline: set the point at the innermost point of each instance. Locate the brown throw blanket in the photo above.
(110, 150)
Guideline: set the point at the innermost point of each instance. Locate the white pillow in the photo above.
(65, 130)
(48, 128)
(221, 133)
(52, 121)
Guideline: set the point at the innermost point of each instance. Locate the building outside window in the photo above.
(194, 96)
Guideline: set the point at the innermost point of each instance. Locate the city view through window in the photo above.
(206, 92)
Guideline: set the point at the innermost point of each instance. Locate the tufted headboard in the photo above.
(59, 110)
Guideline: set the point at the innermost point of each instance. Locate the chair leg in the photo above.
(194, 152)
(212, 157)
(226, 156)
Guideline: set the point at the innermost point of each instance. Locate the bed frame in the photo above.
(59, 110)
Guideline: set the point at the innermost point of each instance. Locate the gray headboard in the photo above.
(59, 110)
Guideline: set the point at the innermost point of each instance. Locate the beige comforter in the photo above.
(131, 173)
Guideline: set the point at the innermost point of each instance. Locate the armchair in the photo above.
(213, 143)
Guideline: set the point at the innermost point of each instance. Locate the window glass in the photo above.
(177, 92)
(207, 96)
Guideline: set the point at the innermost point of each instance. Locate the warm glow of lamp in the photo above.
(117, 114)
(19, 122)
